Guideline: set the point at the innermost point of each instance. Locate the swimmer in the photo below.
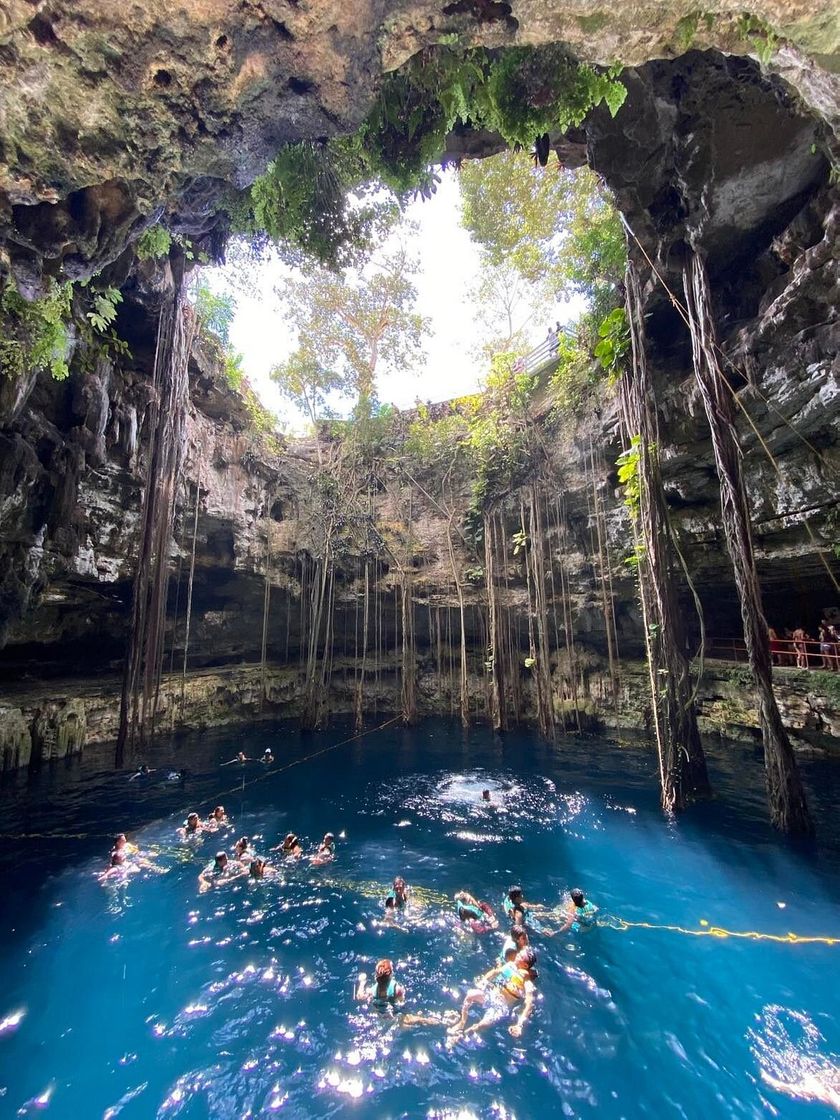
(502, 990)
(397, 897)
(220, 870)
(384, 993)
(217, 819)
(517, 909)
(191, 827)
(241, 759)
(516, 940)
(485, 795)
(579, 913)
(477, 915)
(242, 849)
(142, 772)
(290, 848)
(259, 869)
(326, 851)
(122, 845)
(267, 757)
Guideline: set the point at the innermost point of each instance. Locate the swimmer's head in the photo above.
(267, 752)
(399, 885)
(526, 959)
(519, 935)
(144, 769)
(485, 794)
(577, 896)
(515, 894)
(242, 843)
(257, 868)
(241, 756)
(290, 840)
(384, 969)
(120, 841)
(221, 861)
(329, 838)
(219, 813)
(192, 821)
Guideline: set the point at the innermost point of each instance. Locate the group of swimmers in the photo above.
(510, 985)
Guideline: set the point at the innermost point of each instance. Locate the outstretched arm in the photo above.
(525, 1014)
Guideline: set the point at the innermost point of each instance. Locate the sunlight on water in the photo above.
(145, 993)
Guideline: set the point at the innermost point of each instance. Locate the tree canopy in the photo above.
(556, 227)
(350, 328)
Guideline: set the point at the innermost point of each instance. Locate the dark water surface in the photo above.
(142, 998)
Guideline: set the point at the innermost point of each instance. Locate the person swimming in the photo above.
(580, 913)
(267, 757)
(485, 795)
(384, 993)
(143, 771)
(515, 906)
(289, 848)
(503, 989)
(515, 941)
(218, 819)
(258, 868)
(242, 849)
(220, 870)
(121, 844)
(478, 916)
(397, 897)
(240, 759)
(326, 851)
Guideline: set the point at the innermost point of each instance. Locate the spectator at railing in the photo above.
(801, 638)
(829, 647)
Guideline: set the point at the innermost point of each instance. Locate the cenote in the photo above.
(146, 998)
(441, 397)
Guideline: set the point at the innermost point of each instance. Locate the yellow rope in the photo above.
(719, 932)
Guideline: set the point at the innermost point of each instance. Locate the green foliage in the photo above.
(613, 342)
(520, 93)
(760, 35)
(556, 228)
(574, 377)
(474, 574)
(103, 313)
(530, 662)
(519, 541)
(154, 243)
(214, 310)
(234, 372)
(628, 475)
(36, 333)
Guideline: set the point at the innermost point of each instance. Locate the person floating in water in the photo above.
(221, 870)
(502, 990)
(384, 993)
(290, 847)
(326, 851)
(217, 819)
(398, 896)
(485, 795)
(267, 757)
(515, 942)
(579, 913)
(121, 844)
(242, 850)
(241, 759)
(260, 869)
(478, 916)
(192, 826)
(142, 772)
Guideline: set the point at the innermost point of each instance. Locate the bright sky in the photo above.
(449, 266)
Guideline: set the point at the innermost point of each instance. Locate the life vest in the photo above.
(511, 906)
(381, 1003)
(584, 916)
(395, 901)
(512, 980)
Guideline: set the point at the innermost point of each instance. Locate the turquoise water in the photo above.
(144, 998)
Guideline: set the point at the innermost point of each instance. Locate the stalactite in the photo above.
(682, 761)
(167, 411)
(786, 795)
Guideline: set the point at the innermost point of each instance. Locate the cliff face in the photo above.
(708, 150)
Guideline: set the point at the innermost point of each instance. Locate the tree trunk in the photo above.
(788, 807)
(682, 761)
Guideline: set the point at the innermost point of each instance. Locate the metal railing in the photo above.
(543, 355)
(785, 652)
